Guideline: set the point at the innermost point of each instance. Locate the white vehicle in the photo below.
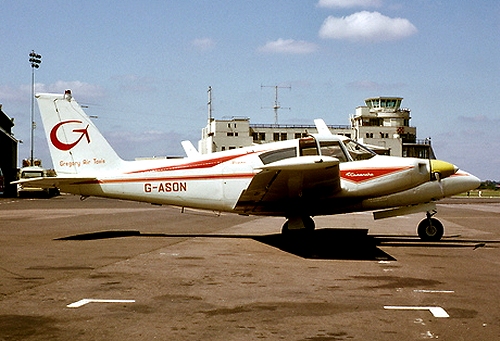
(297, 179)
(32, 172)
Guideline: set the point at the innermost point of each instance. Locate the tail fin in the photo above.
(76, 145)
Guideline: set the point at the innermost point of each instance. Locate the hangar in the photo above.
(8, 154)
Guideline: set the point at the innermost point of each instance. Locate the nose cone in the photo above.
(445, 169)
(472, 181)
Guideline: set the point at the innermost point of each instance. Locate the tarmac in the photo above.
(104, 269)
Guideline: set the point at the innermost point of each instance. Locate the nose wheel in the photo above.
(430, 229)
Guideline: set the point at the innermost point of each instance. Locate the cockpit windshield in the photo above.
(358, 151)
(333, 149)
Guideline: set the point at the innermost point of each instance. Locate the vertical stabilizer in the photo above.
(76, 145)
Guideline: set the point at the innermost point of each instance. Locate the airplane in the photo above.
(317, 175)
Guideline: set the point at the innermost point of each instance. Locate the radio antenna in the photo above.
(276, 105)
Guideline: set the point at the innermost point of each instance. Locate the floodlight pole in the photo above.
(35, 60)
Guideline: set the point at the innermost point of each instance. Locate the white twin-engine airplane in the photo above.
(321, 174)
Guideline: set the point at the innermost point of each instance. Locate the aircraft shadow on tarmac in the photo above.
(342, 244)
(326, 243)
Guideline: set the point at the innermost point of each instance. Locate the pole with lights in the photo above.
(35, 60)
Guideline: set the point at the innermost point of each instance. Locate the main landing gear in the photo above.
(430, 229)
(294, 224)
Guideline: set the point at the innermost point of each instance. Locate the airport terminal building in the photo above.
(381, 124)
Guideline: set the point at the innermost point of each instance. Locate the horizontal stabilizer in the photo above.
(54, 181)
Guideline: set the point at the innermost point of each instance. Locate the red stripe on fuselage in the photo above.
(192, 165)
(169, 178)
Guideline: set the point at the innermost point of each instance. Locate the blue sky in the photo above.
(144, 67)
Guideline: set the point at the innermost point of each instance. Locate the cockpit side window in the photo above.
(277, 155)
(308, 146)
(333, 149)
(358, 151)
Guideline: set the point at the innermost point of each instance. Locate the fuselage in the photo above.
(216, 181)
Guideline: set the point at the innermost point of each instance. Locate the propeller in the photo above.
(439, 170)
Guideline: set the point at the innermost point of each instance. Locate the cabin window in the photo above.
(308, 146)
(276, 155)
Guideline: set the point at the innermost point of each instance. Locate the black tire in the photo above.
(430, 230)
(284, 229)
(308, 223)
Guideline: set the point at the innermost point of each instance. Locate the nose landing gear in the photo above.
(430, 229)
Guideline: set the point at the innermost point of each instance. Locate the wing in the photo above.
(291, 184)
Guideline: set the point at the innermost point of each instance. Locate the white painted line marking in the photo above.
(81, 303)
(435, 291)
(435, 311)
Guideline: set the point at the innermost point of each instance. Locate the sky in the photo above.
(143, 68)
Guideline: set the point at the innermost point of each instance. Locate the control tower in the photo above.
(383, 123)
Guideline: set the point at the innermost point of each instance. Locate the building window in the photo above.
(284, 136)
(229, 134)
(276, 136)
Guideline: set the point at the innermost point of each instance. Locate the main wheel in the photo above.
(430, 230)
(304, 224)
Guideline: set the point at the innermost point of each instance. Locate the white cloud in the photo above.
(289, 46)
(203, 44)
(136, 84)
(366, 26)
(10, 94)
(349, 3)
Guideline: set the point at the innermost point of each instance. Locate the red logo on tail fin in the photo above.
(67, 146)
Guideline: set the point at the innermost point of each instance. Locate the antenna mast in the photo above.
(276, 105)
(209, 105)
